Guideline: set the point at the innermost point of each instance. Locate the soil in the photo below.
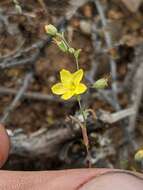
(18, 32)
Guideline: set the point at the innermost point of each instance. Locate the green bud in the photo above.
(101, 83)
(139, 156)
(51, 30)
(71, 50)
(62, 46)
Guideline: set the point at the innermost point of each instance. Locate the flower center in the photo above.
(72, 86)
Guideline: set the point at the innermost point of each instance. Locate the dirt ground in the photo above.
(111, 144)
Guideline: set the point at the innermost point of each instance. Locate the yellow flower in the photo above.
(70, 84)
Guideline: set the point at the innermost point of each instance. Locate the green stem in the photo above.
(64, 39)
(76, 59)
(84, 128)
(84, 132)
(81, 110)
(77, 63)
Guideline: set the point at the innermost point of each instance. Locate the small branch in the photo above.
(47, 141)
(20, 58)
(137, 87)
(22, 62)
(30, 95)
(17, 98)
(115, 117)
(109, 45)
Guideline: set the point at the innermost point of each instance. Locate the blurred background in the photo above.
(43, 135)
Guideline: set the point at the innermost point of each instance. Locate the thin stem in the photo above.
(84, 128)
(84, 132)
(77, 63)
(81, 110)
(64, 39)
(76, 59)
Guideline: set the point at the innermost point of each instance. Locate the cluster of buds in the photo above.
(57, 37)
(70, 82)
(60, 41)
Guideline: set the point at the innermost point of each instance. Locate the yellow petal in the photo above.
(80, 88)
(58, 89)
(67, 95)
(77, 76)
(66, 77)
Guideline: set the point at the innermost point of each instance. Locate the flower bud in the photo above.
(139, 156)
(51, 30)
(101, 83)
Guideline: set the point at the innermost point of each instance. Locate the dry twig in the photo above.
(117, 116)
(30, 95)
(110, 46)
(137, 87)
(17, 98)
